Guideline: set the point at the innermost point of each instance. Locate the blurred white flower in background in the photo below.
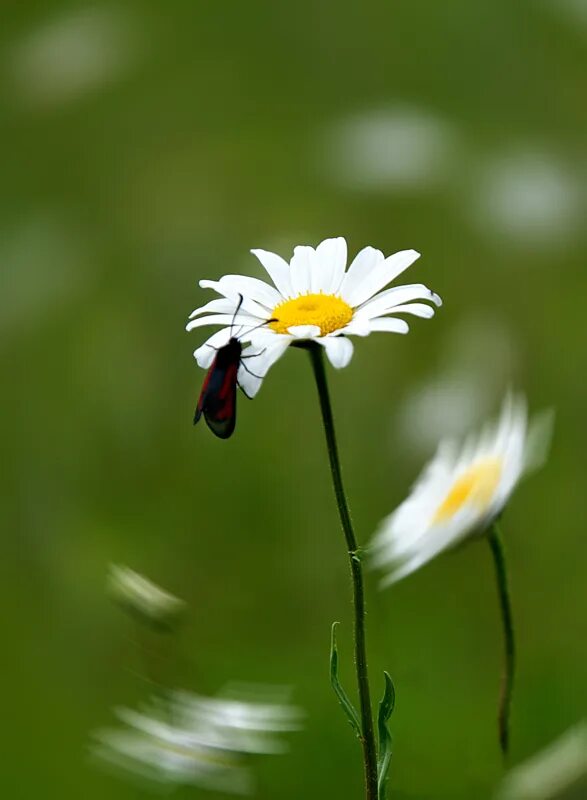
(183, 738)
(531, 198)
(313, 297)
(478, 357)
(574, 11)
(389, 149)
(143, 598)
(460, 491)
(67, 56)
(556, 773)
(452, 403)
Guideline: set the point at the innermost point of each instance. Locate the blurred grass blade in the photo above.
(386, 707)
(343, 699)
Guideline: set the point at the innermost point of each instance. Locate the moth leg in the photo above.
(254, 374)
(248, 396)
(254, 355)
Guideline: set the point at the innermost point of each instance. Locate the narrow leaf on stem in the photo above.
(342, 696)
(386, 707)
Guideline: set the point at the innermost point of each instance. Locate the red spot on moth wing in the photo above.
(226, 410)
(227, 393)
(228, 381)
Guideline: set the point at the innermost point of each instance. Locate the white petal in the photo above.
(385, 301)
(252, 288)
(339, 350)
(396, 263)
(278, 270)
(396, 570)
(538, 440)
(417, 309)
(385, 272)
(221, 305)
(406, 540)
(223, 319)
(204, 355)
(301, 269)
(304, 331)
(250, 384)
(265, 360)
(254, 368)
(247, 304)
(330, 264)
(357, 327)
(266, 336)
(359, 272)
(389, 325)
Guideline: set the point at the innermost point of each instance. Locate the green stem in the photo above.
(505, 701)
(367, 730)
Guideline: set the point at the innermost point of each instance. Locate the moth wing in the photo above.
(219, 407)
(204, 393)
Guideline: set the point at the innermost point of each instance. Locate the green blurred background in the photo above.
(148, 145)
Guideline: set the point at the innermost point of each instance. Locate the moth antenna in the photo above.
(234, 316)
(260, 325)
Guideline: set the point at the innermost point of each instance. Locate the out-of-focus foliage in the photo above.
(148, 145)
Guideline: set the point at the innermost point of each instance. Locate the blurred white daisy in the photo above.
(392, 149)
(313, 297)
(184, 738)
(461, 491)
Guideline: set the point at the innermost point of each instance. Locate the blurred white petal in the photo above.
(555, 773)
(388, 150)
(478, 356)
(142, 597)
(529, 198)
(184, 738)
(72, 54)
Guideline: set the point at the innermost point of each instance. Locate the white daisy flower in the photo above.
(313, 297)
(184, 738)
(461, 491)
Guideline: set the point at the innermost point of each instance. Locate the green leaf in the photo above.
(343, 699)
(386, 707)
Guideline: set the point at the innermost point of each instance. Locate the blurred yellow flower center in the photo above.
(476, 487)
(327, 312)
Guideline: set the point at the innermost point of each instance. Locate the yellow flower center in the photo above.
(326, 311)
(476, 486)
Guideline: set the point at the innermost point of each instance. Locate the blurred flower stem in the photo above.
(505, 701)
(367, 729)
